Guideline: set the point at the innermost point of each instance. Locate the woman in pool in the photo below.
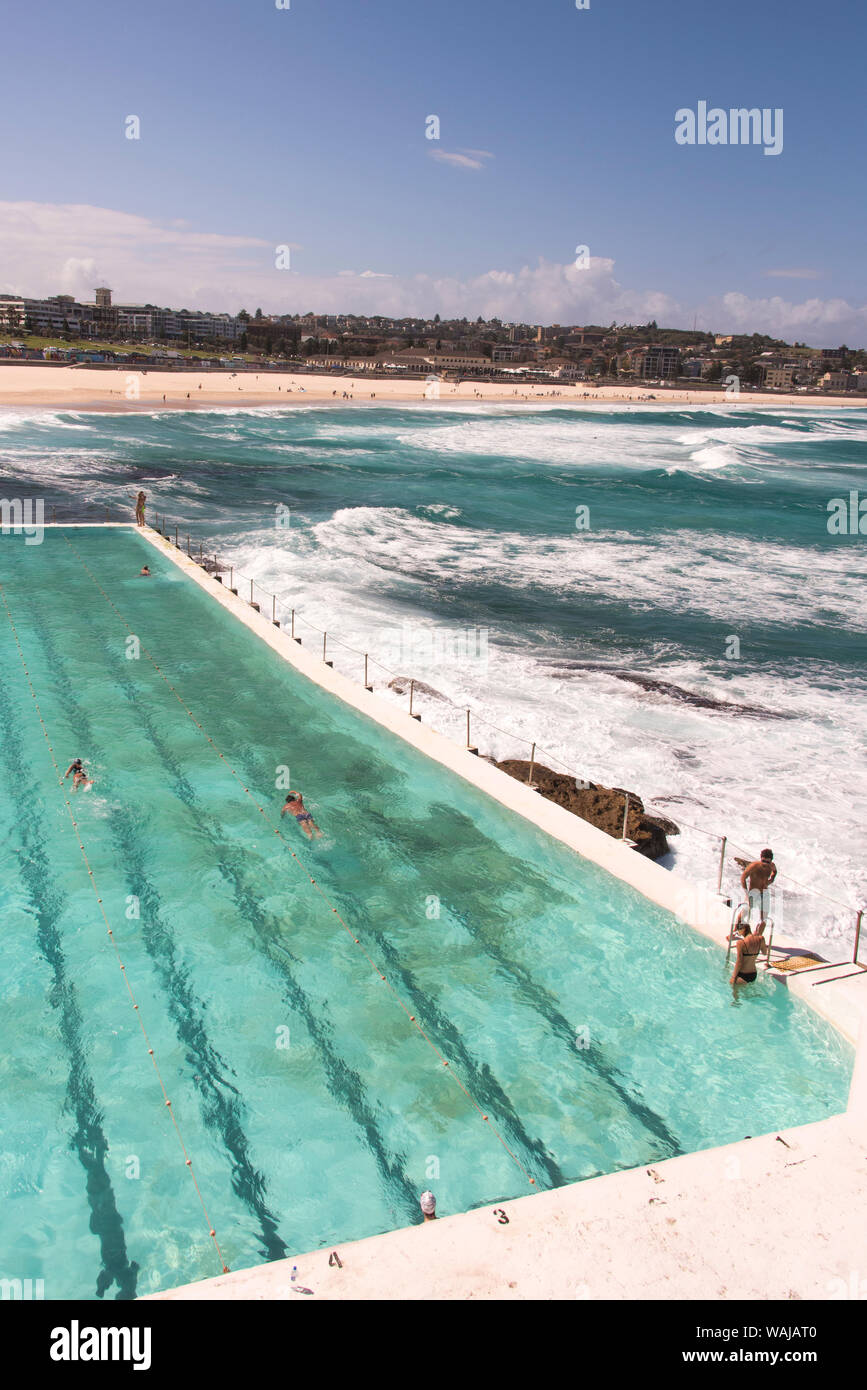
(749, 948)
(294, 804)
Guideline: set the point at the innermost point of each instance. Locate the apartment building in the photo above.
(778, 377)
(656, 363)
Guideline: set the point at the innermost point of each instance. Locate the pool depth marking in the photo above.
(278, 832)
(187, 1160)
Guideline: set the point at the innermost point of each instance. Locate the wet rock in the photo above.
(400, 685)
(601, 806)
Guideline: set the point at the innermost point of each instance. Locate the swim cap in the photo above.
(428, 1203)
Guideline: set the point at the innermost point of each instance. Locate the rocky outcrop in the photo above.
(400, 685)
(601, 806)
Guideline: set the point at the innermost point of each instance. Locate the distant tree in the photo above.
(258, 314)
(436, 318)
(242, 342)
(244, 316)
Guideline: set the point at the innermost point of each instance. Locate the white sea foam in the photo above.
(720, 575)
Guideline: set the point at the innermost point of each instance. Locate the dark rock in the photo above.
(601, 806)
(401, 685)
(671, 691)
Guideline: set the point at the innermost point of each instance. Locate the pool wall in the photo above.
(615, 1236)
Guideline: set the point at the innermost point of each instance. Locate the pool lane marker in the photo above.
(278, 832)
(187, 1160)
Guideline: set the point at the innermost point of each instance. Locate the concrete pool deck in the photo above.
(767, 1217)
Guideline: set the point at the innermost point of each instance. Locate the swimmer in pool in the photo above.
(295, 806)
(144, 572)
(79, 776)
(750, 946)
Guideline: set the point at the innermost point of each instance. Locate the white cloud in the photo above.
(464, 159)
(820, 322)
(48, 249)
(797, 274)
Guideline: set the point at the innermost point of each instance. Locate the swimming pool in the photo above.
(592, 1029)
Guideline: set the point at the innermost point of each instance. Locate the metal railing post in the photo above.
(367, 684)
(625, 814)
(722, 855)
(470, 746)
(857, 936)
(532, 763)
(177, 547)
(411, 691)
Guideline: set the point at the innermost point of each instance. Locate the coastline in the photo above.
(118, 390)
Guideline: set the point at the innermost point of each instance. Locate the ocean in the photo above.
(654, 596)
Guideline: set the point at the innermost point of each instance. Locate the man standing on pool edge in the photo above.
(757, 878)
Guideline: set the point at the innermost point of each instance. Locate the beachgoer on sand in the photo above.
(757, 878)
(295, 805)
(749, 948)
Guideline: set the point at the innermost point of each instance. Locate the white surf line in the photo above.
(701, 908)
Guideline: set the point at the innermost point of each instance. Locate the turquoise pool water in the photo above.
(313, 1111)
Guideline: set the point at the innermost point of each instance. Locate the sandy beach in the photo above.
(82, 388)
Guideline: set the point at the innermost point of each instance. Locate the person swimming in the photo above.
(80, 777)
(144, 572)
(295, 805)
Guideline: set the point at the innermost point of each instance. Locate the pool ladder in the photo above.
(741, 914)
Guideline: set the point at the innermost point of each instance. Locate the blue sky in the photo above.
(306, 127)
